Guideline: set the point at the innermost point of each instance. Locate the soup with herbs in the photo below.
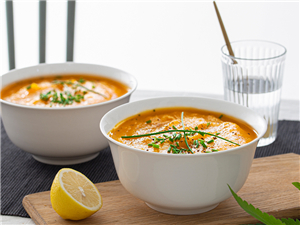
(63, 91)
(182, 131)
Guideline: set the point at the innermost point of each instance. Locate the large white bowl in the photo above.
(182, 184)
(66, 135)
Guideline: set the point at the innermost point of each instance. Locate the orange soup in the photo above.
(63, 91)
(182, 131)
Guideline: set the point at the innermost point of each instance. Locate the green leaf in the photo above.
(290, 221)
(256, 213)
(296, 184)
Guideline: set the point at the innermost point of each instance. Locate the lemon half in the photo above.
(74, 196)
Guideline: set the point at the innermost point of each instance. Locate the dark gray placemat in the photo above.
(22, 175)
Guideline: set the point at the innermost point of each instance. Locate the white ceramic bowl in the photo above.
(66, 135)
(182, 184)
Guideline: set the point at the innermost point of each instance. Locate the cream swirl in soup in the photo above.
(182, 131)
(63, 91)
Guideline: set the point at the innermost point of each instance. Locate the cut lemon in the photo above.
(74, 196)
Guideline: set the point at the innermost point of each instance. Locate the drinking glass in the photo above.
(253, 78)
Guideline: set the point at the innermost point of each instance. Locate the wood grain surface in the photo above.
(268, 187)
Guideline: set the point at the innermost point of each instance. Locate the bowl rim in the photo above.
(131, 90)
(239, 148)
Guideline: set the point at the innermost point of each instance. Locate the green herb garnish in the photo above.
(220, 116)
(64, 99)
(202, 143)
(28, 87)
(197, 143)
(77, 85)
(169, 150)
(215, 150)
(208, 124)
(176, 137)
(210, 141)
(154, 145)
(45, 97)
(183, 131)
(187, 144)
(81, 80)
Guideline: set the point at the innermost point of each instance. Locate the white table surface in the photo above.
(289, 110)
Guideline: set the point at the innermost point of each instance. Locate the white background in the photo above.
(166, 45)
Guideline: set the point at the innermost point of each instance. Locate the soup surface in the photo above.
(63, 91)
(201, 131)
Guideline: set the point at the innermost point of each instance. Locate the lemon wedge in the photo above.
(74, 196)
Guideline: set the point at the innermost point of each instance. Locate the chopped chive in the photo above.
(179, 137)
(150, 144)
(210, 141)
(194, 142)
(220, 116)
(218, 133)
(184, 131)
(174, 127)
(197, 143)
(177, 144)
(215, 150)
(207, 151)
(176, 138)
(185, 135)
(196, 128)
(170, 131)
(93, 86)
(208, 123)
(169, 149)
(155, 146)
(81, 80)
(202, 143)
(28, 87)
(77, 85)
(149, 121)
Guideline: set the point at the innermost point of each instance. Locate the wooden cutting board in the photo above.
(268, 187)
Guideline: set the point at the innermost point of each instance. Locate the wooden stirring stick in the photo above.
(224, 33)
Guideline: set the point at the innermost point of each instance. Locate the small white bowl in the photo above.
(66, 135)
(182, 184)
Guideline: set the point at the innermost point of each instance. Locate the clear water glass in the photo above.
(253, 78)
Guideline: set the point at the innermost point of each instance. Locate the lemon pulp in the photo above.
(73, 195)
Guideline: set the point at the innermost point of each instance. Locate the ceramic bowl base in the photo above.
(181, 211)
(65, 161)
